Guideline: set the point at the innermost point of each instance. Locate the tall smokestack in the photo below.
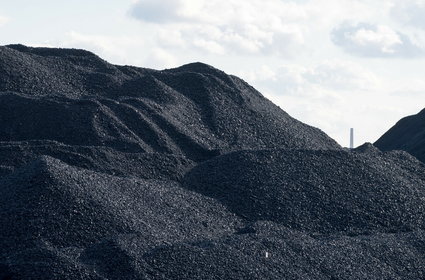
(351, 138)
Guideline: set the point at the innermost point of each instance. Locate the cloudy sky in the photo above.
(334, 64)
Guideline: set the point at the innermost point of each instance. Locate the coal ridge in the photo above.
(193, 106)
(408, 135)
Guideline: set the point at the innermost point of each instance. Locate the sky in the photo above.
(333, 64)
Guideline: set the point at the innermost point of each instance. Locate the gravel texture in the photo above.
(119, 172)
(96, 158)
(408, 135)
(48, 207)
(318, 191)
(196, 111)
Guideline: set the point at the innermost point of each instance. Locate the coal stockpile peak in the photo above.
(408, 135)
(197, 67)
(51, 51)
(194, 111)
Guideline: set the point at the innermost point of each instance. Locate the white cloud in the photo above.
(228, 27)
(3, 20)
(157, 11)
(273, 27)
(217, 12)
(112, 48)
(342, 75)
(210, 46)
(336, 95)
(410, 12)
(328, 79)
(116, 49)
(371, 40)
(332, 95)
(370, 113)
(264, 73)
(382, 37)
(160, 59)
(407, 87)
(171, 38)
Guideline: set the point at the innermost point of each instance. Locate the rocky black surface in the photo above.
(195, 111)
(317, 191)
(408, 135)
(118, 172)
(97, 158)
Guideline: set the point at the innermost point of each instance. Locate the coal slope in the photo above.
(195, 111)
(96, 158)
(51, 212)
(408, 135)
(119, 172)
(326, 192)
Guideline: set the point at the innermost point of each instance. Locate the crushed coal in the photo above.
(276, 252)
(317, 191)
(62, 208)
(195, 111)
(120, 172)
(96, 158)
(408, 135)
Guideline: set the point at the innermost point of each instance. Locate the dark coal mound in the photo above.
(408, 135)
(196, 111)
(367, 148)
(119, 172)
(318, 191)
(270, 251)
(100, 159)
(263, 250)
(49, 207)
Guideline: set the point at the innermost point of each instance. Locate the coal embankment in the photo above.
(408, 135)
(318, 191)
(51, 211)
(119, 172)
(195, 111)
(96, 158)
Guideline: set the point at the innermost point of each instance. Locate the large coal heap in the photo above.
(408, 135)
(196, 110)
(120, 172)
(317, 191)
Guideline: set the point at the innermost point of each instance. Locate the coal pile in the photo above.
(48, 207)
(270, 251)
(195, 111)
(119, 172)
(96, 158)
(317, 191)
(408, 135)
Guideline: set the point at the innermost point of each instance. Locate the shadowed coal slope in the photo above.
(318, 191)
(101, 159)
(408, 135)
(116, 172)
(196, 111)
(50, 208)
(293, 255)
(62, 222)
